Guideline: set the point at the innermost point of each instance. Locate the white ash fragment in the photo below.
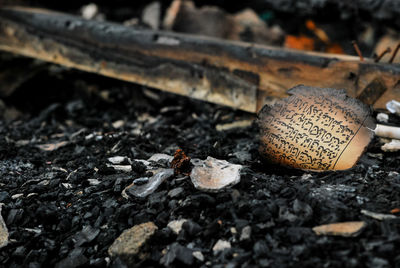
(246, 233)
(382, 117)
(378, 216)
(3, 230)
(92, 12)
(16, 196)
(151, 15)
(118, 124)
(176, 225)
(144, 162)
(213, 174)
(66, 186)
(89, 11)
(158, 157)
(393, 106)
(144, 190)
(198, 255)
(221, 245)
(392, 146)
(93, 182)
(118, 159)
(123, 168)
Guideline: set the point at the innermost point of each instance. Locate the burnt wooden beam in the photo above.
(237, 74)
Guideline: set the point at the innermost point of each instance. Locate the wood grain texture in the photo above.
(237, 74)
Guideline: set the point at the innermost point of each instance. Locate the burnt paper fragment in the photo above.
(315, 129)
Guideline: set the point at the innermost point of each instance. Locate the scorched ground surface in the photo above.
(64, 207)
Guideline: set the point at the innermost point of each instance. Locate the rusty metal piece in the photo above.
(181, 163)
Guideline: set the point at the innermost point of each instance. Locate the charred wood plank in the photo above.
(237, 74)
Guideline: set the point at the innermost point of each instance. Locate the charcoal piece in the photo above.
(14, 216)
(176, 192)
(260, 249)
(162, 218)
(200, 199)
(74, 259)
(297, 234)
(138, 167)
(49, 212)
(179, 253)
(302, 210)
(191, 227)
(87, 235)
(240, 223)
(211, 229)
(4, 196)
(19, 252)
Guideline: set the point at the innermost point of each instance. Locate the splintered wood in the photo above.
(315, 129)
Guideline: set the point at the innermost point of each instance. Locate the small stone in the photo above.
(213, 174)
(144, 190)
(246, 233)
(221, 245)
(198, 255)
(378, 216)
(127, 246)
(3, 230)
(176, 225)
(346, 229)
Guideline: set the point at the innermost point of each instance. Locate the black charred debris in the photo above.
(63, 204)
